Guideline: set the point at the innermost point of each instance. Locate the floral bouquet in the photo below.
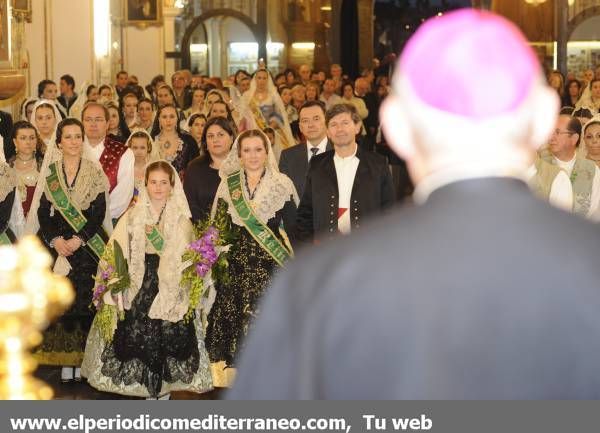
(113, 275)
(207, 256)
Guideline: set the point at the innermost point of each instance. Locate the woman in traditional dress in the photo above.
(173, 145)
(154, 349)
(590, 98)
(268, 109)
(198, 96)
(196, 124)
(106, 94)
(591, 140)
(26, 162)
(145, 110)
(144, 152)
(91, 93)
(251, 185)
(68, 211)
(202, 175)
(212, 96)
(44, 117)
(27, 108)
(221, 109)
(117, 127)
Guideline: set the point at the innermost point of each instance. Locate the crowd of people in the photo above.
(123, 174)
(117, 181)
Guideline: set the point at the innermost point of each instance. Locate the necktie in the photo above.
(314, 151)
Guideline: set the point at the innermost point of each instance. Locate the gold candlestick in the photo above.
(31, 296)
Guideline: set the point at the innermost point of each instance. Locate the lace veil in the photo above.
(172, 300)
(77, 107)
(154, 153)
(240, 111)
(24, 107)
(8, 183)
(582, 150)
(57, 116)
(273, 191)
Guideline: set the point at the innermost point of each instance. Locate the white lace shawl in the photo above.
(172, 300)
(273, 191)
(77, 106)
(286, 138)
(91, 180)
(8, 180)
(8, 183)
(244, 119)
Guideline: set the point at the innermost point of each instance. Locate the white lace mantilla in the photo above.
(8, 180)
(90, 182)
(273, 191)
(172, 301)
(271, 194)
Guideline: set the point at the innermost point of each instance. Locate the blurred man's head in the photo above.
(304, 73)
(485, 115)
(122, 79)
(565, 137)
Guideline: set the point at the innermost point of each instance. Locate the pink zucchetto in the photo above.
(470, 63)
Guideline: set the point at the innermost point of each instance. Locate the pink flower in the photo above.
(99, 291)
(202, 269)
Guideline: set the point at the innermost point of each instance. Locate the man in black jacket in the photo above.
(67, 92)
(294, 160)
(343, 185)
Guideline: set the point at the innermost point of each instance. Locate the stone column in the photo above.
(169, 14)
(365, 39)
(561, 24)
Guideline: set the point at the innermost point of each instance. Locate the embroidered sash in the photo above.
(259, 231)
(69, 212)
(155, 238)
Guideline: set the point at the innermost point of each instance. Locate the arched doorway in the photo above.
(583, 47)
(222, 40)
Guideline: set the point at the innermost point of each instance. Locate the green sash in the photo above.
(259, 231)
(69, 212)
(155, 238)
(4, 240)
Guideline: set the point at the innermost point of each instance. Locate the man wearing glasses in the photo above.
(583, 173)
(115, 158)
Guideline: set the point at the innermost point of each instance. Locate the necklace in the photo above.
(253, 193)
(72, 186)
(160, 215)
(25, 160)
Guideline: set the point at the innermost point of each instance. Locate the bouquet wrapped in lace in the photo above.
(113, 276)
(207, 256)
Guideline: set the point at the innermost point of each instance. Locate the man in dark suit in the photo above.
(294, 160)
(343, 185)
(482, 291)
